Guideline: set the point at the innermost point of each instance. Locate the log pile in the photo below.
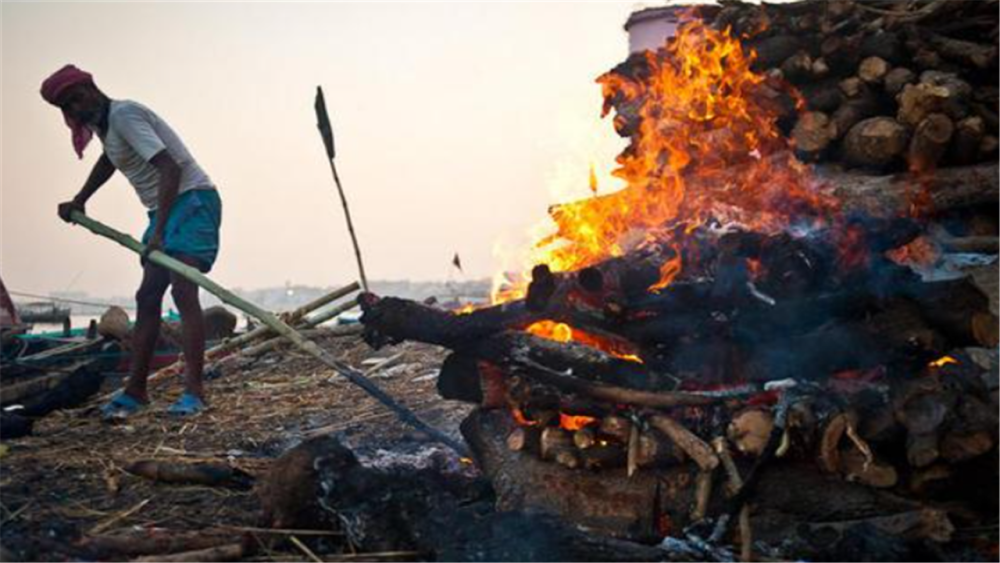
(817, 355)
(886, 86)
(780, 351)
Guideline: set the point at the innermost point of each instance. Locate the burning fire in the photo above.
(699, 115)
(705, 146)
(521, 419)
(562, 332)
(942, 361)
(575, 422)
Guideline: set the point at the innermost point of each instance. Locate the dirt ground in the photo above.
(66, 482)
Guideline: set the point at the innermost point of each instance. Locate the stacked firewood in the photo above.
(820, 351)
(698, 360)
(885, 85)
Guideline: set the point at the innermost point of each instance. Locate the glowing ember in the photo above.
(943, 361)
(920, 252)
(571, 422)
(520, 419)
(562, 332)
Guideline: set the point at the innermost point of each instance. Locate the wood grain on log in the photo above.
(696, 448)
(930, 141)
(875, 143)
(872, 70)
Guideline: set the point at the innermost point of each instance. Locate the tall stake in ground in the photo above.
(326, 131)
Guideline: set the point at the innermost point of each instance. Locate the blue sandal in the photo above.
(121, 406)
(187, 405)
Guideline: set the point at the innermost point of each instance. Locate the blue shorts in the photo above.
(192, 230)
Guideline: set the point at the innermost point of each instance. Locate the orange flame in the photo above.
(520, 419)
(942, 361)
(562, 332)
(575, 422)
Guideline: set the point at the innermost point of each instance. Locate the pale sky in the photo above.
(455, 125)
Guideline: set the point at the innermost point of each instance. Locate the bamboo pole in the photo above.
(354, 376)
(307, 323)
(220, 350)
(268, 345)
(291, 318)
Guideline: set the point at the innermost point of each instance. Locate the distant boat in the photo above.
(43, 312)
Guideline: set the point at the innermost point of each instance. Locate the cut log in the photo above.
(696, 448)
(947, 189)
(618, 427)
(917, 101)
(929, 143)
(873, 70)
(969, 134)
(964, 52)
(798, 68)
(897, 79)
(524, 439)
(875, 143)
(554, 440)
(841, 53)
(812, 135)
(771, 51)
(750, 430)
(856, 467)
(852, 87)
(854, 110)
(391, 320)
(885, 45)
(654, 451)
(823, 96)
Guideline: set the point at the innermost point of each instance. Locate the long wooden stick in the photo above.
(303, 325)
(272, 321)
(326, 131)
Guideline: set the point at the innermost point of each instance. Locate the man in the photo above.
(184, 217)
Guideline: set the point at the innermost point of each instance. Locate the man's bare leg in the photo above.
(185, 294)
(145, 333)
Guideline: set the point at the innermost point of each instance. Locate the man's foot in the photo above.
(187, 405)
(121, 406)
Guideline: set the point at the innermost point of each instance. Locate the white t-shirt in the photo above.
(135, 135)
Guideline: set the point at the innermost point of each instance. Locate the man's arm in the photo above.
(170, 181)
(99, 175)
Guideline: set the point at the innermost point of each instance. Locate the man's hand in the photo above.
(155, 243)
(66, 209)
